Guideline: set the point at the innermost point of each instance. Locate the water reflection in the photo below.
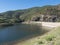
(18, 32)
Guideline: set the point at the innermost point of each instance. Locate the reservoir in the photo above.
(18, 31)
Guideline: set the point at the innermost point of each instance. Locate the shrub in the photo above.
(40, 42)
(50, 37)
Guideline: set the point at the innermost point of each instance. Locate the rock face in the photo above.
(46, 18)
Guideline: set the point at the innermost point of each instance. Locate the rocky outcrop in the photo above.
(46, 18)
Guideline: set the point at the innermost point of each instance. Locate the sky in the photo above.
(7, 5)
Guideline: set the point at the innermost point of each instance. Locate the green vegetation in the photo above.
(40, 42)
(51, 38)
(46, 13)
(50, 13)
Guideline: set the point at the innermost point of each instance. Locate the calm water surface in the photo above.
(17, 32)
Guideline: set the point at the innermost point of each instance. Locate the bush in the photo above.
(50, 37)
(40, 42)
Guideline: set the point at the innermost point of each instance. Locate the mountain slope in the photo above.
(50, 13)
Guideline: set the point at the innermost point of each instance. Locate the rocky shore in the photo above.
(46, 24)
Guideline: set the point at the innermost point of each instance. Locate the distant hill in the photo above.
(49, 13)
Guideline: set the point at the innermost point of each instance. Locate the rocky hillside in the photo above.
(48, 13)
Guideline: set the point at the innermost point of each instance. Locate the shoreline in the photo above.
(6, 24)
(44, 24)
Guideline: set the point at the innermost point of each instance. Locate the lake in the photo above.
(18, 31)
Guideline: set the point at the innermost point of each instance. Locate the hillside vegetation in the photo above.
(48, 13)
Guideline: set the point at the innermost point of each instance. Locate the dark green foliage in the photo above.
(40, 42)
(50, 38)
(29, 14)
